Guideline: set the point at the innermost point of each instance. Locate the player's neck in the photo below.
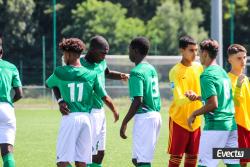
(210, 62)
(88, 58)
(75, 63)
(236, 72)
(186, 62)
(140, 60)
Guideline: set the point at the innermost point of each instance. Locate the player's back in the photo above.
(9, 77)
(215, 81)
(76, 85)
(148, 87)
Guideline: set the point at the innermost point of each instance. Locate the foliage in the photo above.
(170, 22)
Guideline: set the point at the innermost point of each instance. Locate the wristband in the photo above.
(59, 100)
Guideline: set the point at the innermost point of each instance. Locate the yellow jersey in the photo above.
(241, 101)
(183, 79)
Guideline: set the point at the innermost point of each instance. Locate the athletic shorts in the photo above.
(74, 140)
(243, 140)
(216, 139)
(145, 135)
(182, 141)
(98, 123)
(7, 123)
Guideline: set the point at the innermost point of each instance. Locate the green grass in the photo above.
(37, 129)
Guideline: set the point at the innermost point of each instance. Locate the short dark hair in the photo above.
(186, 40)
(142, 44)
(211, 46)
(98, 42)
(72, 45)
(235, 48)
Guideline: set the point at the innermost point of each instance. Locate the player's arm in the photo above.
(210, 106)
(115, 75)
(63, 107)
(101, 92)
(179, 96)
(237, 94)
(108, 101)
(17, 86)
(137, 102)
(51, 82)
(18, 94)
(209, 93)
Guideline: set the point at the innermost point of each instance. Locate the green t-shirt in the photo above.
(76, 85)
(9, 78)
(215, 82)
(143, 82)
(100, 69)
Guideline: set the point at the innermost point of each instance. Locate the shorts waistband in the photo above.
(97, 110)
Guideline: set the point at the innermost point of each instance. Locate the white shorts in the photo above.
(7, 123)
(98, 123)
(74, 140)
(145, 135)
(216, 139)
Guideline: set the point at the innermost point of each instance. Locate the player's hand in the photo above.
(63, 107)
(123, 130)
(124, 77)
(240, 80)
(116, 116)
(191, 120)
(191, 95)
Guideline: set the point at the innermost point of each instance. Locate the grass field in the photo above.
(37, 128)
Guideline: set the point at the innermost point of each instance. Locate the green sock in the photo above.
(69, 165)
(144, 165)
(201, 166)
(96, 165)
(233, 165)
(8, 160)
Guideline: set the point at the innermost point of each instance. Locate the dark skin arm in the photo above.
(63, 107)
(210, 106)
(115, 75)
(18, 94)
(108, 101)
(137, 102)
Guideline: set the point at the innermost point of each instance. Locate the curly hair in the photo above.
(235, 48)
(72, 45)
(211, 46)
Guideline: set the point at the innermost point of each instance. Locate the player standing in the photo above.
(146, 104)
(76, 85)
(237, 57)
(9, 78)
(220, 129)
(95, 60)
(185, 81)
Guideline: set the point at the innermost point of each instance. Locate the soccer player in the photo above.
(220, 130)
(237, 57)
(185, 84)
(95, 60)
(145, 106)
(75, 84)
(9, 78)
